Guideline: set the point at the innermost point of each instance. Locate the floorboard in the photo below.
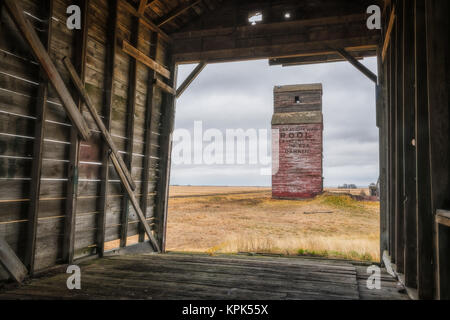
(196, 276)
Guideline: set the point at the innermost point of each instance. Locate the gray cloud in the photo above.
(240, 95)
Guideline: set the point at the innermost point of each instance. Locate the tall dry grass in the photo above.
(331, 225)
(366, 249)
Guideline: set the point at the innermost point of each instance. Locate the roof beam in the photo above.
(324, 57)
(279, 39)
(358, 65)
(145, 22)
(176, 12)
(190, 78)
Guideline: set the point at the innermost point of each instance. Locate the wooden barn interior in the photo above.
(86, 117)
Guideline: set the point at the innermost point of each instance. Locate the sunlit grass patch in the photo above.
(362, 249)
(330, 225)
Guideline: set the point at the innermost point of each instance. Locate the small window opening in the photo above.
(287, 15)
(297, 99)
(255, 17)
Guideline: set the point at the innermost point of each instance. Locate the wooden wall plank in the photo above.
(409, 176)
(109, 93)
(392, 150)
(162, 192)
(75, 145)
(41, 110)
(399, 198)
(130, 130)
(36, 45)
(438, 66)
(148, 121)
(11, 262)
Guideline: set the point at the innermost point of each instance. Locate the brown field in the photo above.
(247, 219)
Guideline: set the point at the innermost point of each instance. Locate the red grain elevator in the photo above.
(298, 123)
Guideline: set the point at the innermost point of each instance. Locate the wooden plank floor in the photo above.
(235, 277)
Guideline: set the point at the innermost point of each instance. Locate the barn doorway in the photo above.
(222, 203)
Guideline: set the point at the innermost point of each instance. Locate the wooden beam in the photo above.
(381, 102)
(250, 52)
(98, 121)
(399, 192)
(392, 150)
(176, 12)
(246, 42)
(115, 158)
(423, 169)
(136, 207)
(41, 111)
(150, 3)
(443, 217)
(131, 109)
(409, 151)
(165, 142)
(438, 64)
(74, 151)
(39, 51)
(110, 60)
(165, 87)
(320, 58)
(358, 65)
(387, 37)
(11, 262)
(142, 7)
(151, 87)
(263, 29)
(190, 78)
(145, 22)
(143, 58)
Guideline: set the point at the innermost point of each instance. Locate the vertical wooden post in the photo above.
(399, 220)
(41, 111)
(131, 108)
(167, 121)
(387, 76)
(72, 185)
(392, 150)
(148, 133)
(409, 176)
(423, 170)
(108, 103)
(438, 67)
(382, 121)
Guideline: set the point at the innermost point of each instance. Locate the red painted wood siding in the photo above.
(300, 161)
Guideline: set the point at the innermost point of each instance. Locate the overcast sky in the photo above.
(240, 95)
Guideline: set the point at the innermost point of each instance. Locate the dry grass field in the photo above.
(247, 219)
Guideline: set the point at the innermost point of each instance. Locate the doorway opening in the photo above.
(220, 198)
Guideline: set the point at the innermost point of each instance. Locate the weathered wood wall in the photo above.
(414, 106)
(76, 176)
